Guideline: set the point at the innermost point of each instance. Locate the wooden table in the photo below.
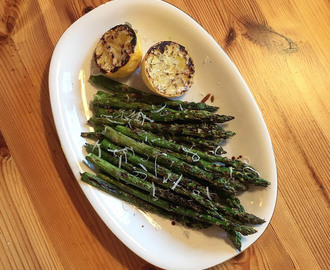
(282, 50)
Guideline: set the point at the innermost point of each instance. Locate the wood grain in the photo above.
(281, 48)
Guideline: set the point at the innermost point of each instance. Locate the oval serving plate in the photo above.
(153, 238)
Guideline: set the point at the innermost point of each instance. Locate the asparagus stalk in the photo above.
(158, 115)
(213, 146)
(148, 137)
(118, 102)
(242, 176)
(123, 175)
(223, 223)
(162, 171)
(105, 186)
(92, 135)
(158, 141)
(235, 238)
(132, 93)
(177, 209)
(136, 160)
(233, 169)
(193, 186)
(197, 142)
(166, 159)
(166, 184)
(203, 130)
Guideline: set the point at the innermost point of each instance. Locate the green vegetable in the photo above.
(131, 93)
(125, 161)
(164, 204)
(105, 186)
(203, 130)
(166, 159)
(134, 110)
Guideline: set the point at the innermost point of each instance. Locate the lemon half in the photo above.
(167, 69)
(118, 52)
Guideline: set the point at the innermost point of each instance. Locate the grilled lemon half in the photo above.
(167, 69)
(118, 52)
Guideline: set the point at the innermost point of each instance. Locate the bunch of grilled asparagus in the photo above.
(166, 157)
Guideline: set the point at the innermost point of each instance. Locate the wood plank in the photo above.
(281, 49)
(24, 243)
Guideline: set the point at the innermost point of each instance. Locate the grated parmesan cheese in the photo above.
(143, 167)
(177, 182)
(251, 169)
(144, 174)
(119, 163)
(158, 111)
(231, 172)
(215, 151)
(167, 178)
(208, 194)
(195, 157)
(98, 147)
(156, 166)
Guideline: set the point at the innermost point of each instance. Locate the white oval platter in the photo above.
(153, 238)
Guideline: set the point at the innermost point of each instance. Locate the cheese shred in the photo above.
(177, 182)
(208, 193)
(97, 145)
(252, 170)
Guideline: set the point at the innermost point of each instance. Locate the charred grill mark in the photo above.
(123, 174)
(103, 41)
(161, 47)
(182, 48)
(131, 33)
(114, 69)
(96, 56)
(109, 110)
(191, 66)
(137, 132)
(125, 60)
(134, 41)
(103, 70)
(186, 166)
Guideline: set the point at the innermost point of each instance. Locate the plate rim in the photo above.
(54, 99)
